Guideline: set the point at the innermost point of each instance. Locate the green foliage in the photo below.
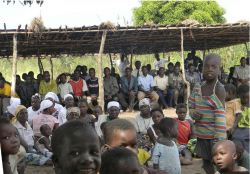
(174, 12)
(230, 57)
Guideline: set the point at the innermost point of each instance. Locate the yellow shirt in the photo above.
(231, 107)
(45, 87)
(6, 90)
(143, 156)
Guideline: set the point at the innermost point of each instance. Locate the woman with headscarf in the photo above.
(69, 102)
(34, 109)
(54, 98)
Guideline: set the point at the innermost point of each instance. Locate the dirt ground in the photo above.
(195, 168)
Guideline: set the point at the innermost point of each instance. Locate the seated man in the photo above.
(161, 86)
(111, 87)
(146, 85)
(93, 86)
(5, 92)
(129, 89)
(47, 85)
(192, 76)
(242, 72)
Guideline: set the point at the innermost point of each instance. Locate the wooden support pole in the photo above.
(100, 69)
(14, 66)
(110, 59)
(51, 68)
(182, 65)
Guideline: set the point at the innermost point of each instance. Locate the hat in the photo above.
(113, 103)
(18, 109)
(66, 96)
(45, 104)
(14, 102)
(144, 101)
(52, 95)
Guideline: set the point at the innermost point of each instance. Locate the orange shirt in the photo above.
(184, 131)
(6, 90)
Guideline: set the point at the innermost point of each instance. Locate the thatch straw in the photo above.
(190, 22)
(107, 26)
(37, 25)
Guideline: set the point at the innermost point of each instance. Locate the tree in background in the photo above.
(174, 12)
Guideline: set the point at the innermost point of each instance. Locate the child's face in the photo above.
(83, 108)
(97, 111)
(223, 157)
(156, 117)
(80, 154)
(128, 166)
(211, 68)
(124, 138)
(244, 99)
(47, 130)
(181, 112)
(9, 139)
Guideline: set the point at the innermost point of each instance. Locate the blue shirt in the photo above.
(146, 83)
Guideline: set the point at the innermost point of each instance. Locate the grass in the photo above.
(230, 57)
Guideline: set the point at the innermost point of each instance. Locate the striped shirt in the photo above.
(212, 124)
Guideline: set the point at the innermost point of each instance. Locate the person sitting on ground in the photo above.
(10, 144)
(242, 155)
(110, 86)
(44, 142)
(177, 86)
(47, 84)
(154, 131)
(192, 76)
(121, 133)
(165, 153)
(128, 92)
(184, 134)
(93, 86)
(76, 149)
(79, 85)
(206, 107)
(146, 85)
(137, 71)
(34, 109)
(84, 109)
(73, 113)
(45, 117)
(225, 156)
(232, 105)
(242, 73)
(120, 160)
(64, 87)
(241, 127)
(158, 63)
(113, 113)
(69, 102)
(5, 93)
(54, 98)
(161, 86)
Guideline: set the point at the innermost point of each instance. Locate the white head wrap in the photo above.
(144, 101)
(67, 95)
(46, 104)
(52, 95)
(14, 102)
(113, 103)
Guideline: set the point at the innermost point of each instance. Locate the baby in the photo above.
(76, 149)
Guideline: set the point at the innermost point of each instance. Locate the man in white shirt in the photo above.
(122, 64)
(242, 72)
(161, 86)
(146, 85)
(159, 62)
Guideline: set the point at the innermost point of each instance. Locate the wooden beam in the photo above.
(100, 69)
(14, 66)
(51, 68)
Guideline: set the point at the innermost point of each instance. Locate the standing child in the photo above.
(10, 143)
(165, 155)
(154, 131)
(207, 109)
(76, 149)
(184, 134)
(224, 157)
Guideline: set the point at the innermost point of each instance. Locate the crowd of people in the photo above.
(60, 121)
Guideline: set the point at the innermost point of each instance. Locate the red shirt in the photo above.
(184, 131)
(77, 87)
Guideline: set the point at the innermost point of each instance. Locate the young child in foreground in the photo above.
(120, 160)
(184, 134)
(10, 143)
(76, 149)
(165, 154)
(122, 133)
(225, 156)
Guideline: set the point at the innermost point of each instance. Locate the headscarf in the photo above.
(143, 102)
(113, 103)
(52, 95)
(67, 95)
(14, 102)
(45, 104)
(18, 109)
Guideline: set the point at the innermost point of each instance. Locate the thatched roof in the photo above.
(142, 40)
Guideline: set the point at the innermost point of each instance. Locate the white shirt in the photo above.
(101, 119)
(122, 66)
(135, 71)
(142, 124)
(242, 72)
(160, 63)
(161, 82)
(64, 89)
(26, 133)
(146, 83)
(62, 116)
(32, 114)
